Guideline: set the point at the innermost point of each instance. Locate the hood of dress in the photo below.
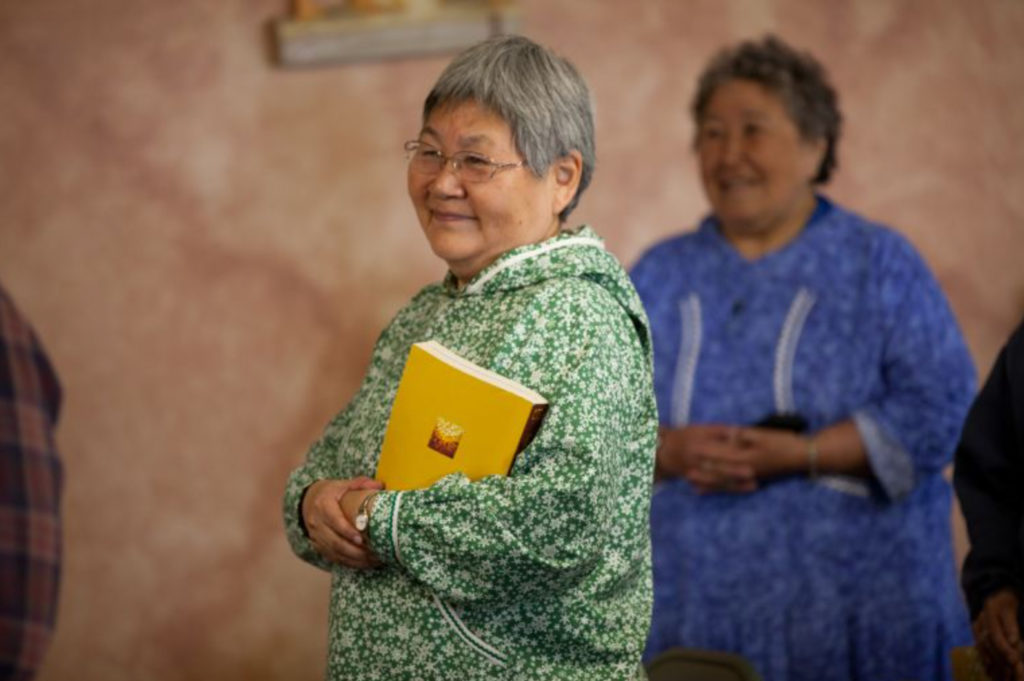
(578, 253)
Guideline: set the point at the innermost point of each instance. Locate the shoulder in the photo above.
(576, 303)
(881, 240)
(668, 252)
(420, 304)
(1014, 350)
(869, 252)
(672, 264)
(14, 328)
(573, 317)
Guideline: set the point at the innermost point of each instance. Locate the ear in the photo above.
(814, 154)
(566, 173)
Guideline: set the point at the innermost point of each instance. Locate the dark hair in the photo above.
(797, 78)
(540, 95)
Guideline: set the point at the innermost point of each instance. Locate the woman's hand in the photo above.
(708, 456)
(997, 637)
(774, 452)
(330, 531)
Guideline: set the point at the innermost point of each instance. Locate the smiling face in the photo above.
(756, 168)
(469, 225)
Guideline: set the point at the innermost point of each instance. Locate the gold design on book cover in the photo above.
(445, 437)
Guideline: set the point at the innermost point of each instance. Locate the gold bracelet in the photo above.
(812, 458)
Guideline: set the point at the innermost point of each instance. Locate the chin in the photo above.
(452, 249)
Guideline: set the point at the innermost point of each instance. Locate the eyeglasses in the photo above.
(468, 166)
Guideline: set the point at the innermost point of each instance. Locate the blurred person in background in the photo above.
(30, 489)
(989, 480)
(811, 383)
(543, 574)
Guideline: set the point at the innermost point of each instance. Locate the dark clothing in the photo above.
(989, 479)
(30, 482)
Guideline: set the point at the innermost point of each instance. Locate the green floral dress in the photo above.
(546, 573)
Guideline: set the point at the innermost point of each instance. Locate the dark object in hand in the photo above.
(790, 421)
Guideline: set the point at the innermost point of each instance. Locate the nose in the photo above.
(447, 182)
(732, 148)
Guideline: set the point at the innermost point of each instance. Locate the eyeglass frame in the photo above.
(456, 161)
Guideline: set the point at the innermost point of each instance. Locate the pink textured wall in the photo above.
(209, 246)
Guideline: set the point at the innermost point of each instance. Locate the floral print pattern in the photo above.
(545, 573)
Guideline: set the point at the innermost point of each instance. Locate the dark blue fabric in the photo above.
(807, 581)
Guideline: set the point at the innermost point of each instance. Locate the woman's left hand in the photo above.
(330, 529)
(773, 452)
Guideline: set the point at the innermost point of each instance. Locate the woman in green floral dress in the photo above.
(543, 574)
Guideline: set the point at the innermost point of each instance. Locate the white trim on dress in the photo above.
(449, 614)
(686, 364)
(545, 248)
(785, 351)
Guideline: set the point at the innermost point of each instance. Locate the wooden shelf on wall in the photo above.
(354, 36)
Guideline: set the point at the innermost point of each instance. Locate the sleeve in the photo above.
(989, 477)
(544, 528)
(322, 462)
(30, 467)
(928, 376)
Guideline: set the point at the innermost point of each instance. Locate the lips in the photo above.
(730, 183)
(449, 216)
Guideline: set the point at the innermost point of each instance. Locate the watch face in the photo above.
(361, 522)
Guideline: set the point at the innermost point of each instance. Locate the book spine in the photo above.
(532, 425)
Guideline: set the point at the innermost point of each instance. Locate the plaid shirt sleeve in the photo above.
(30, 484)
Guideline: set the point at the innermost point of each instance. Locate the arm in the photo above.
(30, 545)
(341, 460)
(988, 477)
(723, 458)
(577, 492)
(927, 375)
(320, 465)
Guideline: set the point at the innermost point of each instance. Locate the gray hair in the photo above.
(797, 78)
(541, 97)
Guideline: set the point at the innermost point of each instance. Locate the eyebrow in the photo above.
(747, 114)
(466, 141)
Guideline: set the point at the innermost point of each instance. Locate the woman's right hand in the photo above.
(331, 533)
(998, 637)
(709, 456)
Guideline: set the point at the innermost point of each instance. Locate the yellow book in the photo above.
(451, 415)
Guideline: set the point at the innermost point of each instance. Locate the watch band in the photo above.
(362, 521)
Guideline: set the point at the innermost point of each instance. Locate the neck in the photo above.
(755, 240)
(465, 274)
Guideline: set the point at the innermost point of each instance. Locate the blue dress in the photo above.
(832, 577)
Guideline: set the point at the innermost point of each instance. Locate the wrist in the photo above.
(365, 508)
(302, 506)
(813, 457)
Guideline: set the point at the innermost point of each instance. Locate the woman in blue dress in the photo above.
(811, 383)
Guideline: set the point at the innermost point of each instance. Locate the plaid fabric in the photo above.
(30, 483)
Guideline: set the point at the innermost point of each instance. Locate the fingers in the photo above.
(363, 482)
(330, 532)
(713, 474)
(338, 549)
(324, 515)
(1006, 639)
(997, 636)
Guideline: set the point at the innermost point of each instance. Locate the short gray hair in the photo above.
(798, 79)
(541, 97)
